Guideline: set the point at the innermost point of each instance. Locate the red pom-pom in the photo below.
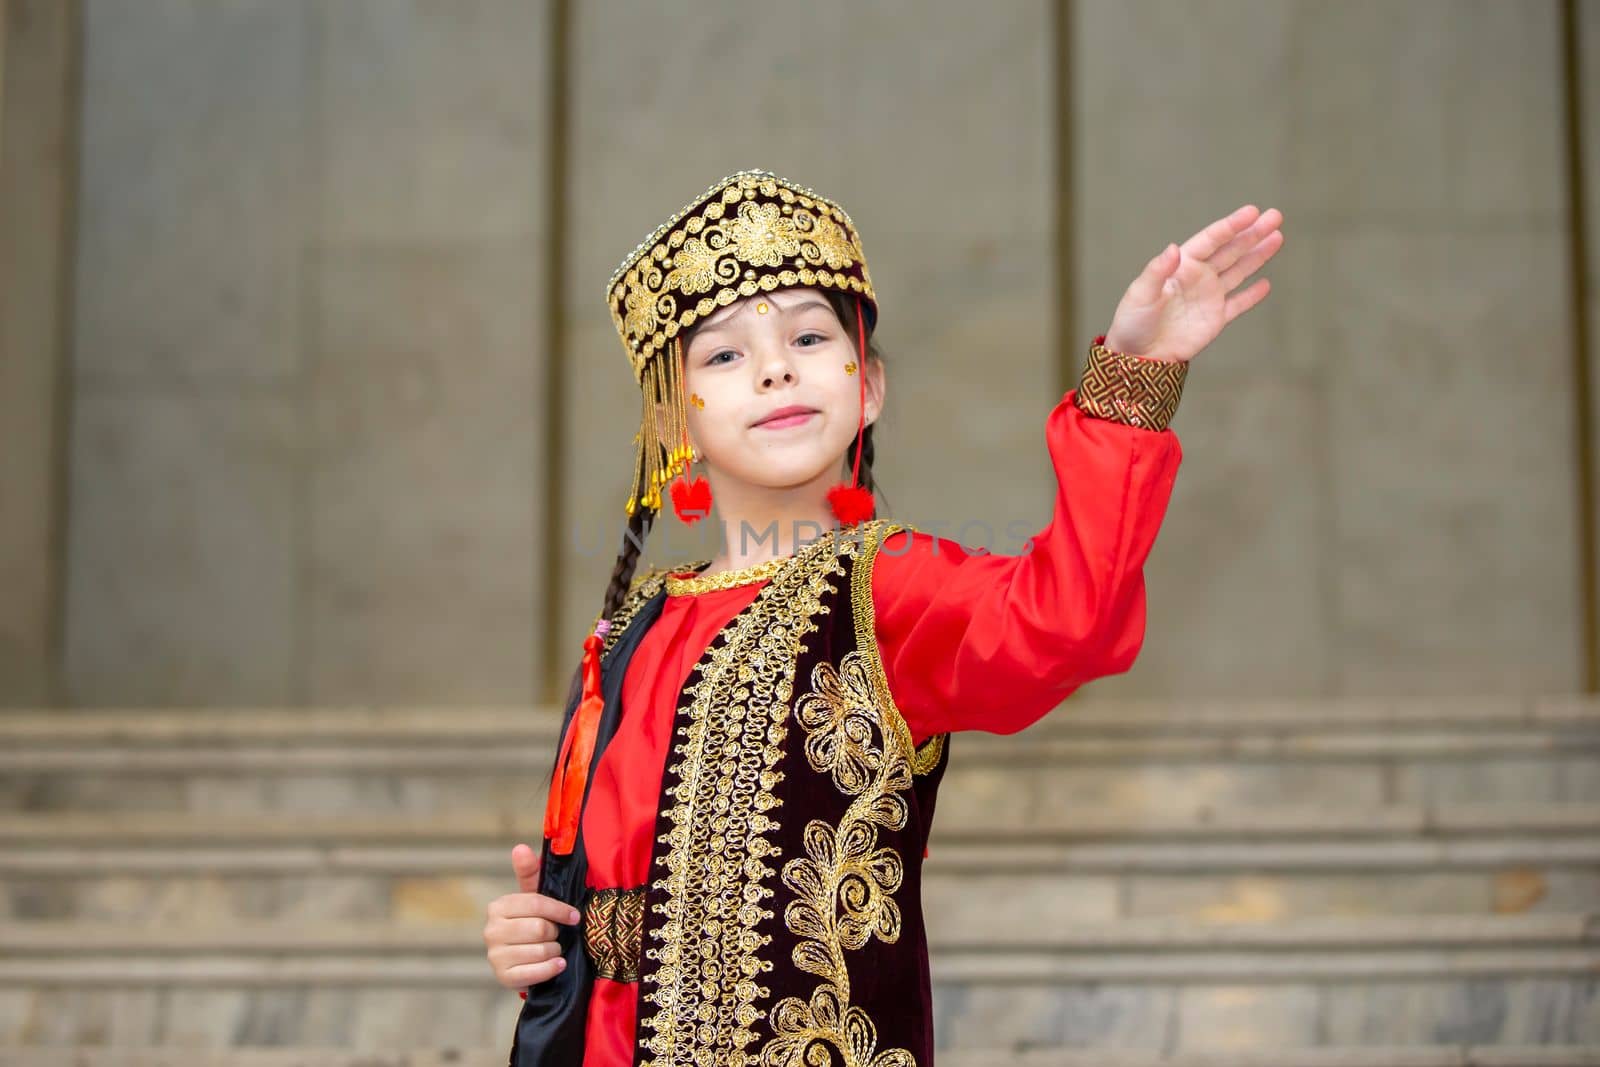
(851, 503)
(691, 500)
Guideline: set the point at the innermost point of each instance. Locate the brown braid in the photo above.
(639, 524)
(866, 458)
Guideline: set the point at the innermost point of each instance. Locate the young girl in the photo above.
(740, 807)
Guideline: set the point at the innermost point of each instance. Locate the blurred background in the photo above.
(315, 434)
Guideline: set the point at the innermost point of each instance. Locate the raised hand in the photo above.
(1185, 296)
(521, 929)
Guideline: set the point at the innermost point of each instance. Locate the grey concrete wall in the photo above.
(307, 460)
(1379, 494)
(305, 456)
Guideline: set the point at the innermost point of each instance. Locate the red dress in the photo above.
(969, 642)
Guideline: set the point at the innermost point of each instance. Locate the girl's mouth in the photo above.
(797, 418)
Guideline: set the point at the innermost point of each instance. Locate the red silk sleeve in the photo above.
(981, 641)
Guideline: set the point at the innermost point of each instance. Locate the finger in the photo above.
(501, 931)
(525, 862)
(509, 956)
(1203, 244)
(527, 931)
(1239, 303)
(1251, 263)
(1146, 288)
(1246, 241)
(534, 906)
(531, 974)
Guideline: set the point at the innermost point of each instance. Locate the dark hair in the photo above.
(639, 523)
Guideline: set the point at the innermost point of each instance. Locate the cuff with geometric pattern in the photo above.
(1130, 389)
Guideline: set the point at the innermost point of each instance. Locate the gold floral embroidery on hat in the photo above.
(751, 232)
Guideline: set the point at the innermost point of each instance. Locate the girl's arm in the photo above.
(994, 642)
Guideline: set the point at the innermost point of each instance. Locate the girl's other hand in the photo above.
(1185, 296)
(521, 930)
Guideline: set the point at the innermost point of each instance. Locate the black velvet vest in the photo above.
(783, 914)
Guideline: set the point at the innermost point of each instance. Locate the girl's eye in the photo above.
(716, 357)
(817, 336)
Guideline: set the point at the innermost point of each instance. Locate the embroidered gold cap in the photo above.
(751, 232)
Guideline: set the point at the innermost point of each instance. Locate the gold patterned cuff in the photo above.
(1131, 389)
(613, 932)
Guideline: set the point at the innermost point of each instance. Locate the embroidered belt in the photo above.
(613, 932)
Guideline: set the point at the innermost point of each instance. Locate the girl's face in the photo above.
(761, 355)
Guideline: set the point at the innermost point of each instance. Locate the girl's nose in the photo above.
(775, 366)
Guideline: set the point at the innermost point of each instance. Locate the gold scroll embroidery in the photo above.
(922, 759)
(703, 980)
(845, 883)
(711, 583)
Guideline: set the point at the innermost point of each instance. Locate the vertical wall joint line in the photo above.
(67, 316)
(547, 685)
(1582, 384)
(1066, 288)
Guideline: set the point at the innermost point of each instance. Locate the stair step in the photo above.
(951, 900)
(1140, 950)
(1166, 718)
(1361, 1056)
(425, 754)
(1002, 793)
(1132, 755)
(1452, 981)
(1142, 984)
(1530, 842)
(1384, 822)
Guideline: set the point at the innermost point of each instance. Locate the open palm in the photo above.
(1185, 296)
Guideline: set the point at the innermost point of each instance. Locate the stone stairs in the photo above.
(1366, 1056)
(1324, 883)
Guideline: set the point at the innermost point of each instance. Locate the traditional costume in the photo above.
(741, 803)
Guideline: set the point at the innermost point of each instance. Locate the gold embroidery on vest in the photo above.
(710, 583)
(703, 982)
(922, 759)
(844, 884)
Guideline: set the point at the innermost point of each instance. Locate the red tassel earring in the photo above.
(852, 503)
(691, 501)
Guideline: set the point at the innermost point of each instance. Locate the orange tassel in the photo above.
(565, 802)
